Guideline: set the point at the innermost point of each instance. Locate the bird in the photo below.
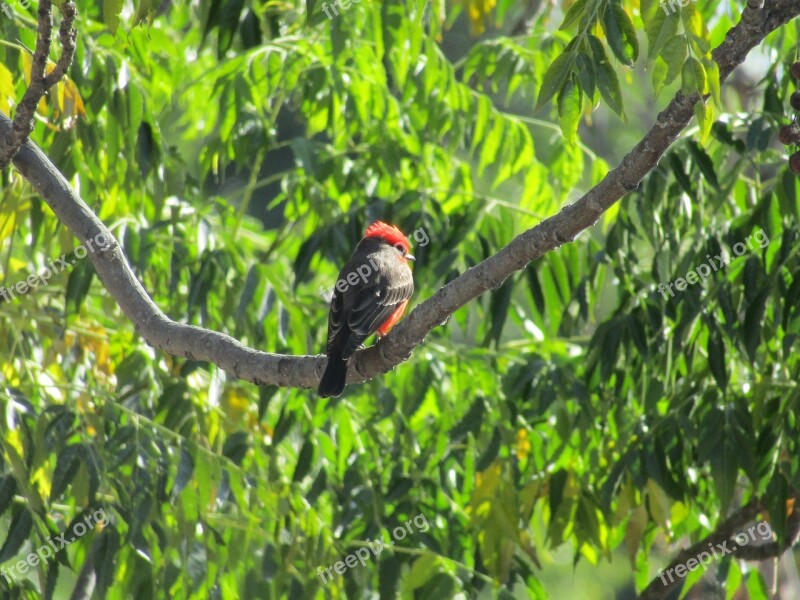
(370, 295)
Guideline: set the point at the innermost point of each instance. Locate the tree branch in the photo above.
(67, 34)
(40, 83)
(724, 536)
(304, 371)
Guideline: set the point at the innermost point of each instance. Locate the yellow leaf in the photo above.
(15, 265)
(8, 221)
(236, 405)
(67, 98)
(486, 484)
(523, 447)
(659, 504)
(7, 94)
(705, 119)
(27, 65)
(59, 97)
(96, 341)
(9, 374)
(634, 532)
(73, 103)
(478, 11)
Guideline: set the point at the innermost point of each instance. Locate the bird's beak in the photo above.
(410, 257)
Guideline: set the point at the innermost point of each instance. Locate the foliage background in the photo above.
(572, 417)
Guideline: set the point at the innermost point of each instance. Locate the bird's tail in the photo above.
(332, 382)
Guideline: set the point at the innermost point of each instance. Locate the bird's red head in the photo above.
(387, 232)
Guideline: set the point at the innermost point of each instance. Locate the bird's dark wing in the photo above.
(335, 319)
(375, 303)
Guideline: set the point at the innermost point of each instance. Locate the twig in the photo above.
(40, 83)
(67, 34)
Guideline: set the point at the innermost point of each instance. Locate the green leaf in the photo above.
(111, 10)
(78, 284)
(422, 570)
(304, 460)
(555, 77)
(759, 135)
(778, 494)
(757, 588)
(693, 77)
(660, 28)
(185, 471)
(310, 5)
(718, 446)
(636, 333)
(716, 359)
(586, 75)
(753, 318)
(556, 489)
(90, 463)
(146, 149)
(145, 11)
(18, 531)
(66, 469)
(569, 109)
(470, 422)
(574, 13)
(389, 571)
(441, 585)
(483, 118)
(284, 424)
(8, 487)
(706, 115)
(490, 453)
(620, 34)
(704, 163)
(696, 29)
(607, 80)
(228, 24)
(236, 446)
(668, 64)
(103, 556)
(733, 581)
(305, 254)
(492, 144)
(680, 174)
(712, 79)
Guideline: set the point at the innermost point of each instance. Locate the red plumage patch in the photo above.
(394, 318)
(390, 233)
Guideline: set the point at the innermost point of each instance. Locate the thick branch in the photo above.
(724, 537)
(40, 83)
(304, 371)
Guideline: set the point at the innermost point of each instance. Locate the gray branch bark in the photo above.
(304, 371)
(724, 536)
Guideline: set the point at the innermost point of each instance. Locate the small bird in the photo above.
(370, 295)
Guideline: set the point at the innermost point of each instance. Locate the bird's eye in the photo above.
(400, 248)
